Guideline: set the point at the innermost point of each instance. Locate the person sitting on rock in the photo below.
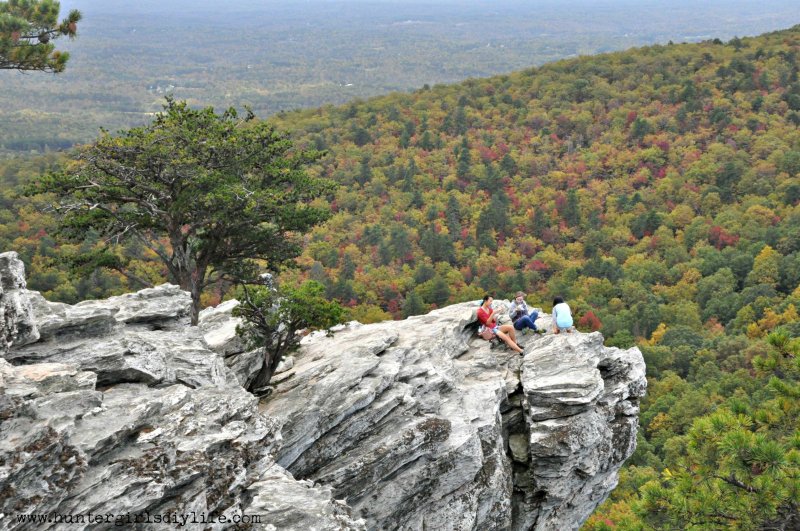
(520, 315)
(505, 332)
(562, 316)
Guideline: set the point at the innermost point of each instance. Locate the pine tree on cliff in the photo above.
(213, 196)
(27, 29)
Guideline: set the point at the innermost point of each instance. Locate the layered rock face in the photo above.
(118, 410)
(16, 315)
(419, 424)
(119, 407)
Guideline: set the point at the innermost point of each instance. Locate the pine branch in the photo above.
(135, 278)
(731, 480)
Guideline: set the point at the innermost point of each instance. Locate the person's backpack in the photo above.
(486, 333)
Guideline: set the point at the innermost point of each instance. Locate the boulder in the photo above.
(219, 329)
(60, 322)
(153, 357)
(581, 406)
(161, 304)
(17, 319)
(219, 332)
(246, 366)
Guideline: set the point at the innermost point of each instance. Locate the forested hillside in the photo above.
(656, 189)
(637, 184)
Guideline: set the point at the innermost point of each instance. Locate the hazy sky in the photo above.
(720, 18)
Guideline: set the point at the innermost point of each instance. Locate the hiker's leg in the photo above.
(524, 322)
(533, 316)
(508, 329)
(511, 344)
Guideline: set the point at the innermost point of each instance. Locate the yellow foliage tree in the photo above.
(765, 268)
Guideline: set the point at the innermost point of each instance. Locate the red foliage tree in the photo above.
(590, 320)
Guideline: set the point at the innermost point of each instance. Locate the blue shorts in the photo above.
(494, 330)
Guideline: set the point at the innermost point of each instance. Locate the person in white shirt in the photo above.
(562, 316)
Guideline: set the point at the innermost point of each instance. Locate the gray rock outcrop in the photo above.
(418, 424)
(17, 321)
(120, 412)
(136, 337)
(119, 407)
(219, 332)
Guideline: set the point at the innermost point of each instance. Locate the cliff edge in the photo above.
(118, 407)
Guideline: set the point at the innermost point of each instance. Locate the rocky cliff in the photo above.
(119, 407)
(116, 414)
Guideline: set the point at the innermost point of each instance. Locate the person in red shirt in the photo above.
(505, 332)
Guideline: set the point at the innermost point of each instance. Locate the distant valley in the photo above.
(275, 56)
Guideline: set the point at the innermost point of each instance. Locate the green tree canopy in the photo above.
(213, 196)
(413, 305)
(27, 28)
